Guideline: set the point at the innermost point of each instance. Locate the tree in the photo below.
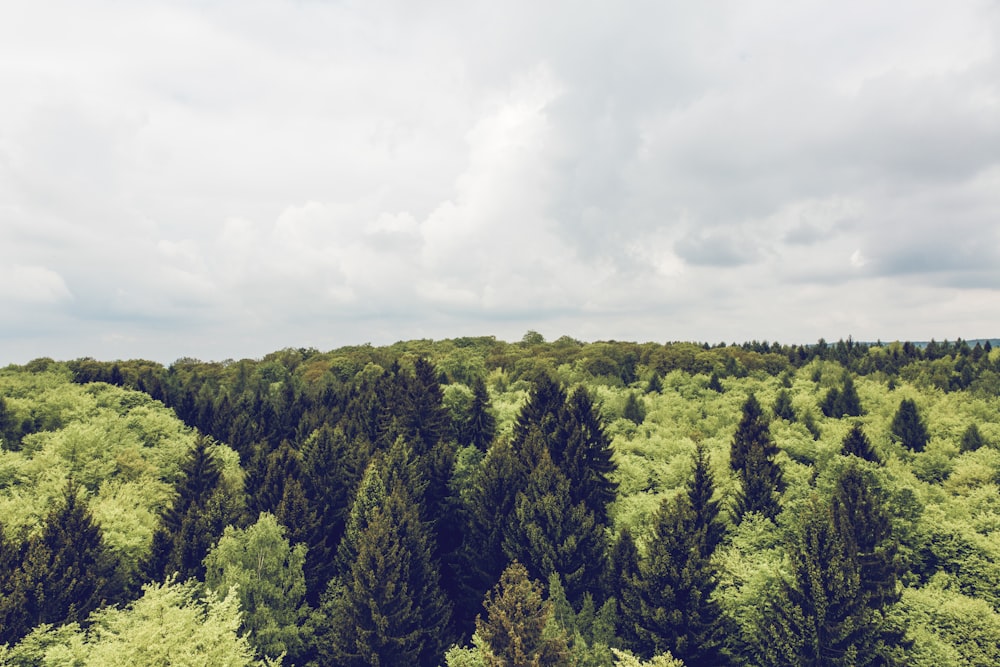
(198, 515)
(857, 443)
(814, 618)
(388, 608)
(549, 533)
(482, 426)
(706, 526)
(582, 451)
(843, 401)
(669, 603)
(518, 629)
(714, 383)
(65, 573)
(752, 454)
(971, 439)
(266, 572)
(634, 410)
(783, 406)
(908, 428)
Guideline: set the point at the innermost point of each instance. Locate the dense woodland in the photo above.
(471, 502)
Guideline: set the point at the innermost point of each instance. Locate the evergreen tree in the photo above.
(706, 526)
(195, 520)
(850, 402)
(388, 608)
(518, 629)
(669, 603)
(549, 533)
(655, 384)
(752, 454)
(582, 451)
(908, 428)
(814, 620)
(423, 415)
(714, 383)
(543, 411)
(783, 406)
(858, 444)
(971, 439)
(482, 426)
(332, 469)
(66, 571)
(634, 410)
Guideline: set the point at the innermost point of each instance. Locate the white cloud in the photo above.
(32, 285)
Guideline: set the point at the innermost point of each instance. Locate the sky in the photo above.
(224, 178)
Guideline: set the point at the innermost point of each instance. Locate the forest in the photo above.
(472, 502)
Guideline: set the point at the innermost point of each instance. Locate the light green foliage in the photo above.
(949, 628)
(627, 659)
(266, 571)
(169, 625)
(121, 445)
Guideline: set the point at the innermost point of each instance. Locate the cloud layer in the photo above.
(224, 179)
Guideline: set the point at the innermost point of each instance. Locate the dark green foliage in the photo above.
(388, 608)
(705, 526)
(582, 451)
(714, 383)
(634, 410)
(971, 439)
(543, 412)
(332, 469)
(856, 443)
(908, 428)
(514, 630)
(482, 426)
(752, 454)
(10, 431)
(783, 406)
(669, 602)
(813, 620)
(64, 573)
(655, 384)
(842, 402)
(195, 520)
(551, 534)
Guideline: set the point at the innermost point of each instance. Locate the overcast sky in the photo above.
(224, 178)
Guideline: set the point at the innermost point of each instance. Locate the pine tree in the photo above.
(849, 404)
(783, 406)
(714, 383)
(482, 426)
(195, 520)
(908, 428)
(815, 618)
(389, 609)
(752, 454)
(332, 469)
(971, 439)
(65, 573)
(669, 603)
(543, 411)
(517, 629)
(706, 525)
(857, 443)
(549, 533)
(634, 411)
(655, 384)
(582, 451)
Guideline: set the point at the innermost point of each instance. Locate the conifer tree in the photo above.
(857, 443)
(783, 406)
(752, 454)
(714, 383)
(332, 469)
(705, 525)
(194, 521)
(972, 439)
(388, 608)
(542, 411)
(582, 451)
(482, 426)
(634, 411)
(518, 630)
(549, 533)
(669, 602)
(815, 618)
(66, 571)
(908, 428)
(655, 384)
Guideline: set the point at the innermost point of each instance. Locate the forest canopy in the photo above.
(476, 502)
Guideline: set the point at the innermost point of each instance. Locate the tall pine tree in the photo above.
(751, 456)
